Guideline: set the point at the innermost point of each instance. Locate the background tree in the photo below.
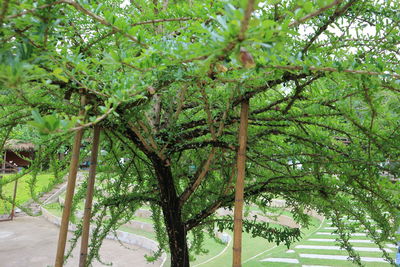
(165, 78)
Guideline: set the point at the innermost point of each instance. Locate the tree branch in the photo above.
(330, 69)
(315, 13)
(103, 21)
(33, 10)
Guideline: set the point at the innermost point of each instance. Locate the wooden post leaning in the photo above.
(14, 199)
(239, 187)
(4, 161)
(89, 197)
(73, 170)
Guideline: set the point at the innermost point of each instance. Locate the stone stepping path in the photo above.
(366, 249)
(354, 221)
(34, 207)
(342, 258)
(329, 233)
(284, 260)
(333, 240)
(323, 248)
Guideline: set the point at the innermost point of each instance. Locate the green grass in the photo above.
(280, 252)
(273, 210)
(254, 246)
(23, 192)
(54, 208)
(142, 219)
(128, 229)
(213, 249)
(255, 249)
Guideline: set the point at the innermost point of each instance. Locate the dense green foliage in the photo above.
(165, 79)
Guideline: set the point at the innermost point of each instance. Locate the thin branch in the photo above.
(3, 12)
(330, 69)
(204, 170)
(161, 20)
(99, 119)
(33, 10)
(139, 135)
(136, 68)
(269, 84)
(315, 13)
(246, 19)
(208, 112)
(299, 89)
(103, 21)
(153, 143)
(331, 19)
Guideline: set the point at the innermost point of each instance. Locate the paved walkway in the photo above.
(32, 241)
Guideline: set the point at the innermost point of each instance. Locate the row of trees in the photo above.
(165, 79)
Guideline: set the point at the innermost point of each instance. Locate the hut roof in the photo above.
(19, 145)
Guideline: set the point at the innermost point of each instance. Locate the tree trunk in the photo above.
(177, 238)
(172, 214)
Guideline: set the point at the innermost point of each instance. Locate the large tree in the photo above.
(164, 79)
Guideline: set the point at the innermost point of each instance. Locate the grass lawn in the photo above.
(256, 249)
(281, 252)
(23, 192)
(253, 247)
(54, 208)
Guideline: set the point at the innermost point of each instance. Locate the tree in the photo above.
(164, 80)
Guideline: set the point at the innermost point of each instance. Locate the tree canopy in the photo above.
(165, 79)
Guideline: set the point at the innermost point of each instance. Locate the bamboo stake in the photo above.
(239, 190)
(89, 197)
(4, 161)
(2, 147)
(73, 170)
(14, 197)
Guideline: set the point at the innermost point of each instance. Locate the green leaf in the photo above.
(37, 117)
(57, 71)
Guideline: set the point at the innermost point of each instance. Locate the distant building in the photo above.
(17, 155)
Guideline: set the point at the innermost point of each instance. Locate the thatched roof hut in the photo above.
(19, 146)
(17, 153)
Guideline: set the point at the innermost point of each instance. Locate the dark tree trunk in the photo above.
(172, 214)
(177, 238)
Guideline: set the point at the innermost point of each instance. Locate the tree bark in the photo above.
(172, 214)
(177, 237)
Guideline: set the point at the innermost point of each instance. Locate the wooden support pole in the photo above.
(14, 198)
(4, 161)
(89, 197)
(73, 170)
(239, 188)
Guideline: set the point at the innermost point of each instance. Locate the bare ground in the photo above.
(32, 241)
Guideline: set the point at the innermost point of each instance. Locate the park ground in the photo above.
(31, 241)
